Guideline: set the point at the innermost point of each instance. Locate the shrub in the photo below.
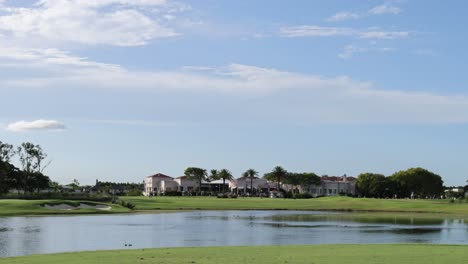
(135, 192)
(173, 193)
(222, 195)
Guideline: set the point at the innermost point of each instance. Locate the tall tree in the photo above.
(8, 174)
(223, 174)
(198, 174)
(373, 185)
(276, 175)
(250, 174)
(6, 152)
(304, 179)
(31, 157)
(417, 181)
(214, 175)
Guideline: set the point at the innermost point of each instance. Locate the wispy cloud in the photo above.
(386, 8)
(108, 22)
(319, 31)
(36, 125)
(341, 16)
(350, 50)
(316, 98)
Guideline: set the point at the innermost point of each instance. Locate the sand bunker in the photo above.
(81, 206)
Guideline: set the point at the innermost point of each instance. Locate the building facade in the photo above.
(333, 185)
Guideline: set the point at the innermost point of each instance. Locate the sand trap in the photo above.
(98, 207)
(81, 206)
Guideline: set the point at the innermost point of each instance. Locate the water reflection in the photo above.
(374, 219)
(38, 235)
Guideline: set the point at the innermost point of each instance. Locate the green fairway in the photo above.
(160, 203)
(325, 203)
(317, 254)
(33, 207)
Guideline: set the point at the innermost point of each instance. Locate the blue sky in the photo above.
(117, 90)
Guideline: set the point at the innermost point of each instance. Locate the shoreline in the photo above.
(145, 205)
(318, 254)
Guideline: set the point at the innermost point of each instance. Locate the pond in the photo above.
(40, 235)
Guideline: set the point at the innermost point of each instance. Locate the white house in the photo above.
(332, 185)
(185, 185)
(243, 185)
(159, 183)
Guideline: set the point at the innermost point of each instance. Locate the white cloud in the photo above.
(293, 96)
(36, 125)
(319, 31)
(350, 50)
(386, 8)
(341, 16)
(108, 22)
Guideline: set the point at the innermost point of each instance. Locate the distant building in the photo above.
(243, 185)
(333, 185)
(159, 183)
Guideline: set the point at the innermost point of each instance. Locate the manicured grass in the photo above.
(324, 203)
(33, 207)
(317, 254)
(148, 204)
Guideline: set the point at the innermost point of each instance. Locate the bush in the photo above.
(129, 205)
(304, 196)
(290, 195)
(222, 195)
(135, 192)
(173, 193)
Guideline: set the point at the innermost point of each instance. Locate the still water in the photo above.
(39, 235)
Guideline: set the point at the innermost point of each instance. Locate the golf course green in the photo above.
(317, 254)
(161, 203)
(10, 207)
(324, 203)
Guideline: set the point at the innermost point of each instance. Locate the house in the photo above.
(185, 184)
(334, 185)
(243, 185)
(159, 183)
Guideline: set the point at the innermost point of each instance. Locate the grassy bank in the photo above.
(318, 254)
(149, 204)
(34, 207)
(325, 203)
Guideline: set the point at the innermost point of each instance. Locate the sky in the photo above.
(117, 90)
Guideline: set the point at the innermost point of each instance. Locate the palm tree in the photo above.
(276, 174)
(214, 175)
(225, 175)
(250, 173)
(194, 173)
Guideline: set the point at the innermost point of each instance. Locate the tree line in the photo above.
(29, 177)
(413, 182)
(278, 175)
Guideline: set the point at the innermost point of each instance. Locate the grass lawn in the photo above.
(324, 203)
(160, 204)
(33, 207)
(317, 254)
